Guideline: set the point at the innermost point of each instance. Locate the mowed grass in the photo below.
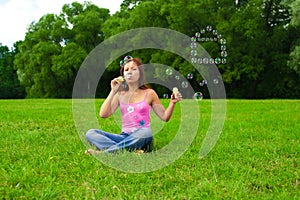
(256, 156)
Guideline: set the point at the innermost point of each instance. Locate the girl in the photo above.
(135, 100)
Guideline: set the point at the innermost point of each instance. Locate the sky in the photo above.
(16, 15)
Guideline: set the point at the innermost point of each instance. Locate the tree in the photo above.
(294, 58)
(9, 84)
(55, 47)
(258, 46)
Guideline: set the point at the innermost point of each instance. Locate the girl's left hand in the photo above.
(177, 98)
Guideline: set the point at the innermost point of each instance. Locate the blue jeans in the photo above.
(109, 142)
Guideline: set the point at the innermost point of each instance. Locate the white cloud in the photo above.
(16, 15)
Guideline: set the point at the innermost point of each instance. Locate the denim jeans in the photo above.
(140, 139)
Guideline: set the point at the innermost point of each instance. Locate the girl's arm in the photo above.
(111, 102)
(158, 108)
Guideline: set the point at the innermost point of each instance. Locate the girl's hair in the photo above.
(142, 79)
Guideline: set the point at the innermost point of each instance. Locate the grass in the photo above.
(256, 157)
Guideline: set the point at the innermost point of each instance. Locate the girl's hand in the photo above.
(115, 84)
(176, 98)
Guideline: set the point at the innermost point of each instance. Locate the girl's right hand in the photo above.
(115, 85)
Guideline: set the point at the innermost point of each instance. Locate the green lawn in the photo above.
(256, 156)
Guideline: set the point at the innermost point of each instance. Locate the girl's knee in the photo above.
(89, 133)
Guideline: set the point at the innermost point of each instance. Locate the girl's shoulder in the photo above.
(151, 92)
(152, 97)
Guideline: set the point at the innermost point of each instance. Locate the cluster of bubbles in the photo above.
(184, 84)
(213, 36)
(207, 34)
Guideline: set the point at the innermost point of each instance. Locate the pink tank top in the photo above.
(135, 115)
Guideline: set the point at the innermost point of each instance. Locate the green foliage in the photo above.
(262, 43)
(55, 47)
(9, 84)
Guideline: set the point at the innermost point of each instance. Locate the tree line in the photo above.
(262, 43)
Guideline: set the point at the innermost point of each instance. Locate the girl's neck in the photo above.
(132, 88)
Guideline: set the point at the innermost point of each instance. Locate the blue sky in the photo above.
(16, 15)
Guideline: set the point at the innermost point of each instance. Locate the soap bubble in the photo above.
(197, 34)
(223, 61)
(218, 61)
(194, 39)
(223, 53)
(166, 96)
(216, 81)
(194, 53)
(194, 45)
(205, 60)
(199, 60)
(198, 96)
(223, 47)
(193, 60)
(203, 82)
(190, 76)
(184, 84)
(169, 72)
(208, 28)
(223, 41)
(177, 77)
(202, 31)
(215, 32)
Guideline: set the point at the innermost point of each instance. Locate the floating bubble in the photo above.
(209, 28)
(194, 45)
(198, 96)
(193, 39)
(223, 47)
(215, 32)
(202, 31)
(166, 96)
(223, 41)
(169, 72)
(207, 39)
(223, 53)
(219, 36)
(218, 61)
(223, 61)
(177, 77)
(197, 34)
(216, 81)
(194, 53)
(201, 39)
(211, 61)
(203, 82)
(190, 76)
(193, 60)
(215, 39)
(199, 60)
(205, 60)
(184, 84)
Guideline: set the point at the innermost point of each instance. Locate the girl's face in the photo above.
(131, 72)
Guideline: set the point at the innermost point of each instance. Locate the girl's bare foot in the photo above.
(139, 151)
(93, 152)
